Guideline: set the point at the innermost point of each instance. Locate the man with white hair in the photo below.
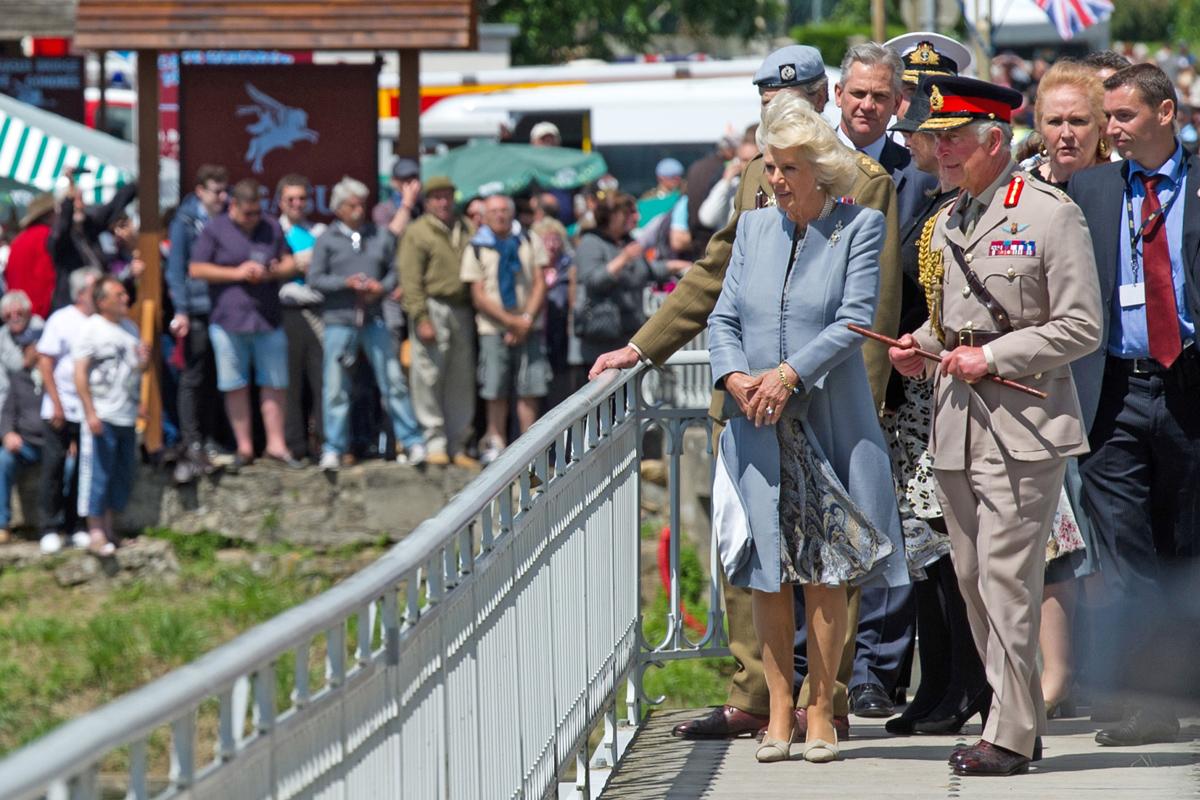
(504, 271)
(353, 266)
(62, 414)
(1014, 286)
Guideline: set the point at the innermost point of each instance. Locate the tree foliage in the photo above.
(553, 31)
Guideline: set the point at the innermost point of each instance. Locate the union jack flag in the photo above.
(1071, 17)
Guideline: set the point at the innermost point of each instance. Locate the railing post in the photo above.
(183, 750)
(137, 771)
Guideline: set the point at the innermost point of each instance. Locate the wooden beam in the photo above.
(408, 141)
(148, 314)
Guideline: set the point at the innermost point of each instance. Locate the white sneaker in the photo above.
(80, 540)
(490, 451)
(329, 461)
(52, 543)
(415, 455)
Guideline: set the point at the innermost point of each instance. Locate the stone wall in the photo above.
(361, 504)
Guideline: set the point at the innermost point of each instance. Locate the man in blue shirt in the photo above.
(1139, 397)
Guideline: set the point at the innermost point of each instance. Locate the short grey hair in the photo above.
(789, 121)
(15, 300)
(512, 204)
(79, 280)
(346, 188)
(871, 54)
(983, 126)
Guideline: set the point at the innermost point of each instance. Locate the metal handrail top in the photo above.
(137, 713)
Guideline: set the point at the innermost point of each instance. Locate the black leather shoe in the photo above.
(869, 700)
(1140, 727)
(987, 759)
(936, 723)
(723, 722)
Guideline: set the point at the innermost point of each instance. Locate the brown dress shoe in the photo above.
(962, 748)
(841, 724)
(723, 722)
(987, 759)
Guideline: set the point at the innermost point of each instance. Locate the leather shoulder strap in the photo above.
(997, 312)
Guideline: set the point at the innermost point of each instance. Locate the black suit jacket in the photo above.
(894, 158)
(1100, 193)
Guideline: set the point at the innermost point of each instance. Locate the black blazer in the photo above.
(894, 157)
(1100, 193)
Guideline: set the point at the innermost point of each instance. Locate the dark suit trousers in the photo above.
(305, 365)
(886, 619)
(1140, 484)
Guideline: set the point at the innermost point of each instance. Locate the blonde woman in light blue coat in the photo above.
(803, 493)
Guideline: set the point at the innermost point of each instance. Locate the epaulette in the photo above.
(1045, 188)
(868, 164)
(930, 271)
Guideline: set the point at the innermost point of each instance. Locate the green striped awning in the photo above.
(35, 158)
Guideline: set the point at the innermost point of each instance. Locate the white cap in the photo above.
(905, 43)
(544, 129)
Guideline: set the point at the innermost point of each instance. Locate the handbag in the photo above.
(600, 318)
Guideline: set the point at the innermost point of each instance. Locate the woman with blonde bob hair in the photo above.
(1069, 116)
(803, 488)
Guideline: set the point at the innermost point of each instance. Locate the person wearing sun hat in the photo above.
(30, 267)
(1010, 277)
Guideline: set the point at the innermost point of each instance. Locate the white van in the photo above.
(632, 124)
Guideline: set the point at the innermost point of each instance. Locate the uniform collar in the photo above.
(874, 149)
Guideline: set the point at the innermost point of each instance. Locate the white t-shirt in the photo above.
(57, 341)
(114, 375)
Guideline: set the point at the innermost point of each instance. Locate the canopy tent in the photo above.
(483, 168)
(38, 147)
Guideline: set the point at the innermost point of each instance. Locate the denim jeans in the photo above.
(26, 456)
(379, 346)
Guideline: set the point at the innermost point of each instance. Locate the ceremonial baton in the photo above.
(879, 337)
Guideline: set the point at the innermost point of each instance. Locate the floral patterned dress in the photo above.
(826, 538)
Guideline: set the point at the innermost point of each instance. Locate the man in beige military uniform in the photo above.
(685, 314)
(1018, 298)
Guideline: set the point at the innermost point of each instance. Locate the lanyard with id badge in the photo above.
(1133, 294)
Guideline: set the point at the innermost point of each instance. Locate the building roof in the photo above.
(275, 24)
(51, 18)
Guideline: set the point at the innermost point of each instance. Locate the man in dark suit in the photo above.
(1138, 397)
(868, 94)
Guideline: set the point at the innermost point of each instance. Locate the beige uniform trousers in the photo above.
(442, 378)
(998, 512)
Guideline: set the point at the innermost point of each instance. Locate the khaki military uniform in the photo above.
(685, 314)
(999, 455)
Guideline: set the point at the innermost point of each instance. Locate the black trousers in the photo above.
(951, 672)
(201, 410)
(58, 496)
(886, 620)
(1140, 487)
(303, 410)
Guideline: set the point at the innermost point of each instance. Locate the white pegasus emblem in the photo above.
(277, 126)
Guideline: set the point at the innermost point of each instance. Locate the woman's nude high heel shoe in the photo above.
(772, 750)
(819, 751)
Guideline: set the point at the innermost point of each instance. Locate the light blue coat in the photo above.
(765, 316)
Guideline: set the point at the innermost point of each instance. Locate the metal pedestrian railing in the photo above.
(473, 660)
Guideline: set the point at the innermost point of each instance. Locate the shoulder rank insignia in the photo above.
(1013, 195)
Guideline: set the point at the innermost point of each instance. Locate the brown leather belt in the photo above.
(968, 337)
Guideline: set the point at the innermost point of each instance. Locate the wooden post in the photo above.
(101, 122)
(878, 21)
(408, 115)
(148, 314)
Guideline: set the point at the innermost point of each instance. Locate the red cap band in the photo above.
(975, 105)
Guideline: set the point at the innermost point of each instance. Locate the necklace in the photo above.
(827, 209)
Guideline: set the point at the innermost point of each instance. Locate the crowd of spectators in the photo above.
(375, 335)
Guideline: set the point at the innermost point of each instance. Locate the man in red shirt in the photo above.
(30, 267)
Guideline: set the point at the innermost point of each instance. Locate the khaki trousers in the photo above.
(998, 512)
(442, 378)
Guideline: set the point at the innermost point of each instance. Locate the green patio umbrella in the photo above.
(483, 168)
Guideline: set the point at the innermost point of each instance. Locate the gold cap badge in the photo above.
(926, 54)
(935, 99)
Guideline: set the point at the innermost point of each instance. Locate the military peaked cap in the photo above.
(956, 101)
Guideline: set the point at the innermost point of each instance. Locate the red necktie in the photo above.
(1162, 316)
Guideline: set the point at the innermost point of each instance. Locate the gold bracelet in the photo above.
(791, 387)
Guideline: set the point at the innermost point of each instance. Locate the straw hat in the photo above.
(39, 207)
